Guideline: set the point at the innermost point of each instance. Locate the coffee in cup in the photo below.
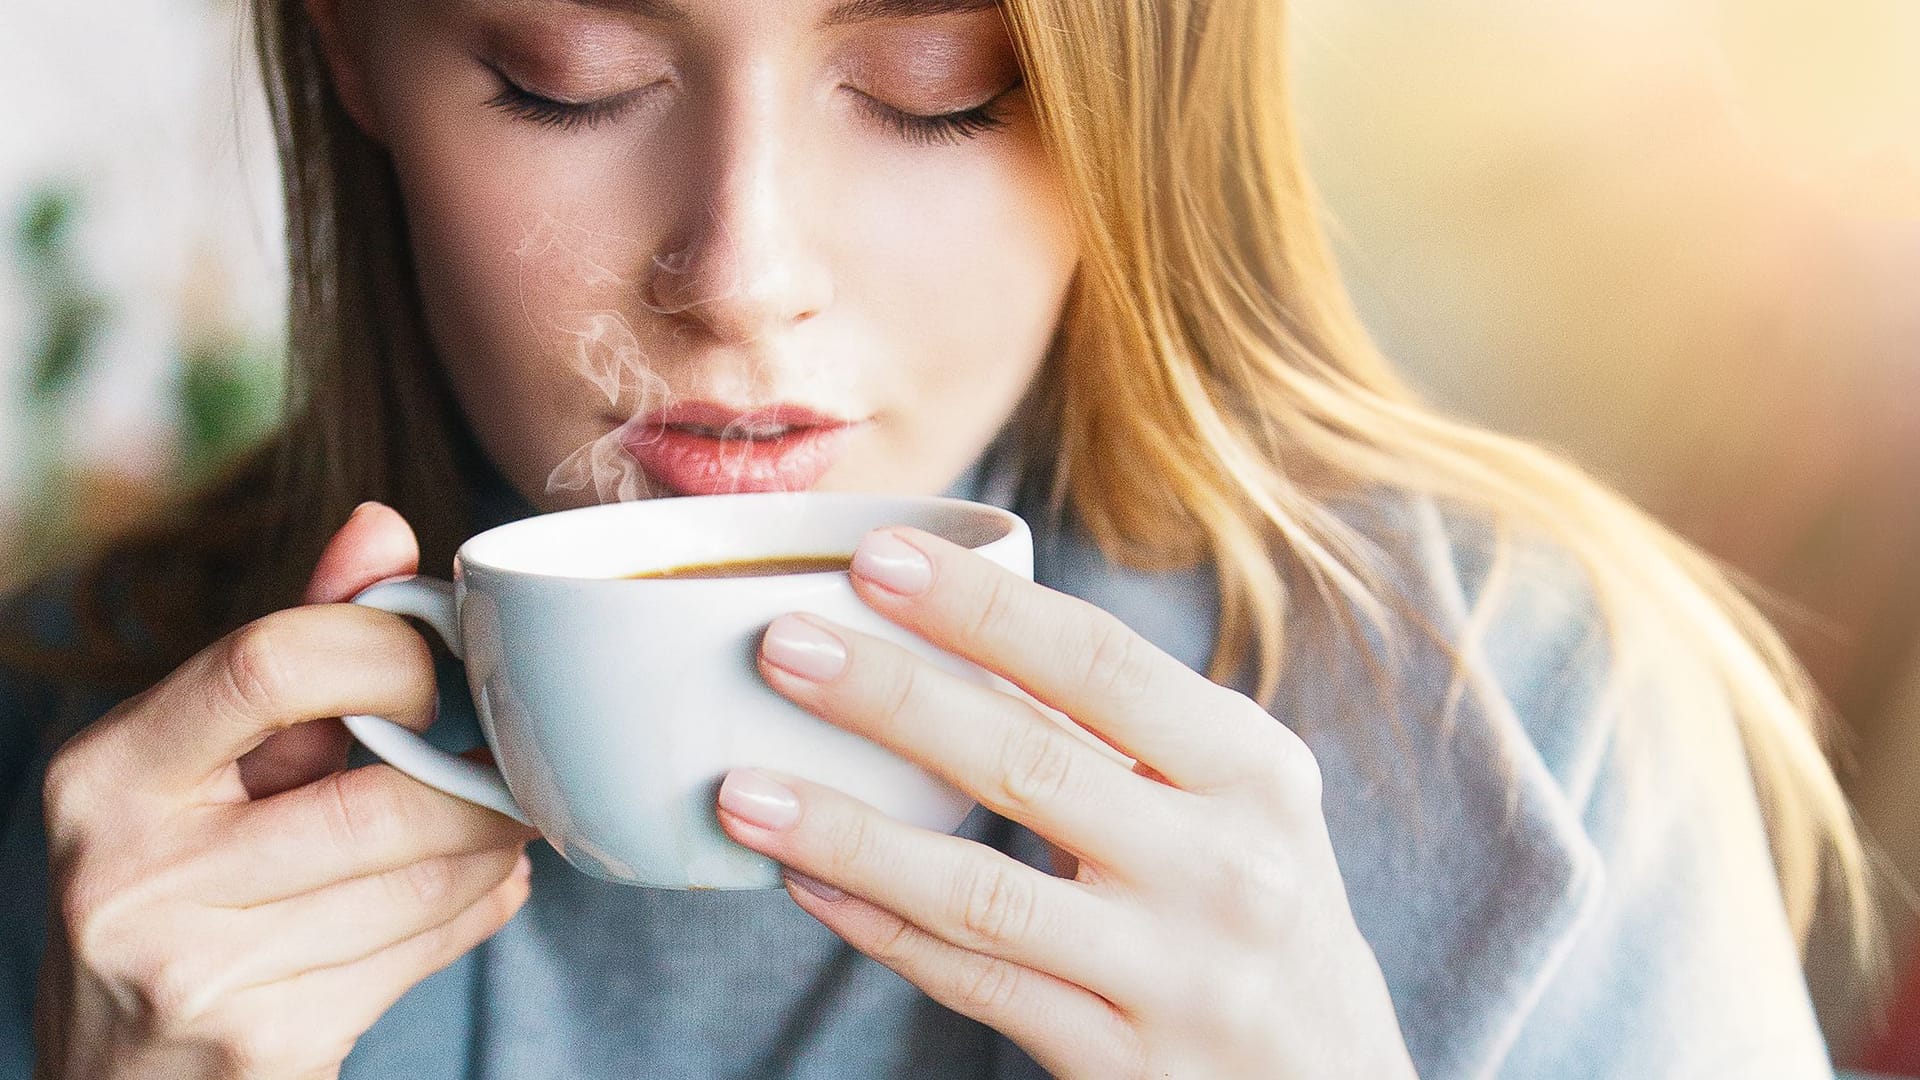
(785, 564)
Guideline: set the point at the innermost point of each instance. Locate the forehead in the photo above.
(837, 13)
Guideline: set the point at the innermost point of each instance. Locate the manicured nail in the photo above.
(806, 650)
(758, 798)
(523, 869)
(892, 563)
(818, 888)
(362, 506)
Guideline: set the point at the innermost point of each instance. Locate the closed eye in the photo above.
(521, 103)
(941, 127)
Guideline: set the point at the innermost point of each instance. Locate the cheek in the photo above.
(966, 265)
(512, 243)
(504, 272)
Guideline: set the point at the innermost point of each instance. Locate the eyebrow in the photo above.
(853, 11)
(843, 13)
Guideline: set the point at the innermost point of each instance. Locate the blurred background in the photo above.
(1678, 239)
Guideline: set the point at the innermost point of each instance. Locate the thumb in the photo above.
(375, 543)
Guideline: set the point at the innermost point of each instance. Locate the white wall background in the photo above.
(150, 110)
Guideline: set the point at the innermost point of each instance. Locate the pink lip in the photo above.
(691, 463)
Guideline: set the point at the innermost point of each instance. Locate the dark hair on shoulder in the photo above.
(143, 601)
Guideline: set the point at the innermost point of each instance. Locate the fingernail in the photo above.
(523, 869)
(796, 645)
(892, 563)
(818, 888)
(758, 798)
(362, 506)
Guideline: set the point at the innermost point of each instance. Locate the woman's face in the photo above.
(825, 226)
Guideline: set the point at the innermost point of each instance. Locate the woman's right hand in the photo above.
(227, 899)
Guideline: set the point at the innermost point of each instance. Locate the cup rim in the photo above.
(1011, 526)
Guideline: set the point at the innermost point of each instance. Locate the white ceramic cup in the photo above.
(614, 706)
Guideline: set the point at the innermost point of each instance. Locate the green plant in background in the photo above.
(71, 313)
(229, 398)
(66, 316)
(225, 395)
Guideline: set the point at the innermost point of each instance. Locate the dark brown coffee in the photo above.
(785, 564)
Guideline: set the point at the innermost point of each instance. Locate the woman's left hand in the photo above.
(1205, 931)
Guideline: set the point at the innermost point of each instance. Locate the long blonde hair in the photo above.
(1213, 388)
(1218, 392)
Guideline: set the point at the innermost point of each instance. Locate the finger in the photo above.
(280, 670)
(1067, 1030)
(375, 543)
(1003, 752)
(355, 919)
(1067, 653)
(299, 755)
(353, 996)
(347, 825)
(971, 896)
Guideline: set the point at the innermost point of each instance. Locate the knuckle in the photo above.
(994, 609)
(423, 884)
(255, 665)
(362, 808)
(987, 985)
(898, 943)
(1038, 766)
(404, 653)
(172, 991)
(68, 791)
(1116, 666)
(996, 906)
(903, 689)
(1252, 885)
(852, 843)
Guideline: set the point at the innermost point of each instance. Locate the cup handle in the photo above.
(432, 600)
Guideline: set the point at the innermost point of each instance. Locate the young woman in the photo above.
(1486, 775)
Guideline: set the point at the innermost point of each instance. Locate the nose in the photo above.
(740, 264)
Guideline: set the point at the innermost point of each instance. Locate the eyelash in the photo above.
(946, 128)
(524, 104)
